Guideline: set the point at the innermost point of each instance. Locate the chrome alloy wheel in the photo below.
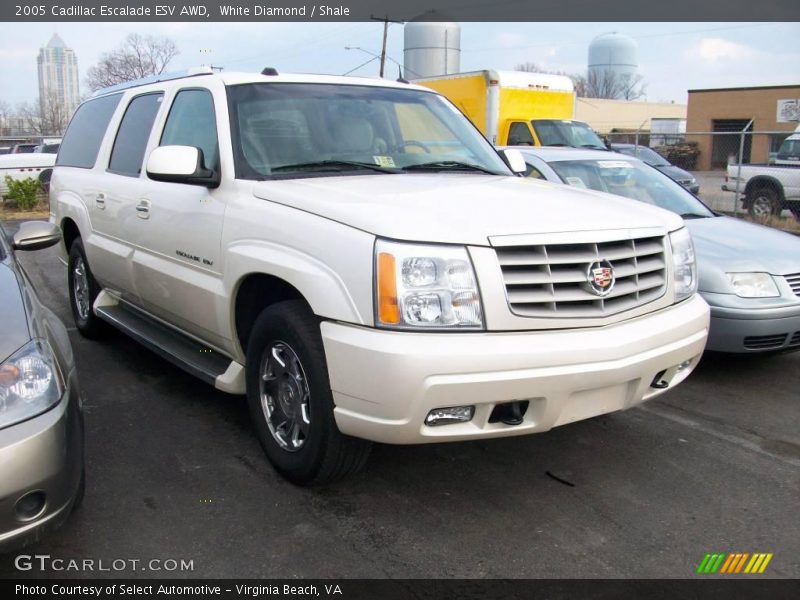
(80, 287)
(762, 206)
(284, 394)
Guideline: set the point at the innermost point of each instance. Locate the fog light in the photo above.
(30, 506)
(453, 414)
(684, 365)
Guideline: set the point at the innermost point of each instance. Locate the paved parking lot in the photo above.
(174, 473)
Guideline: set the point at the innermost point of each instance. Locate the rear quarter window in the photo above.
(85, 133)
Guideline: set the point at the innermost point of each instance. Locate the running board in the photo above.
(186, 353)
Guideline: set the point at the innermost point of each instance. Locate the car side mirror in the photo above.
(180, 164)
(514, 159)
(35, 235)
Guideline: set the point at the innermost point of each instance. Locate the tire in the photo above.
(84, 295)
(763, 202)
(290, 400)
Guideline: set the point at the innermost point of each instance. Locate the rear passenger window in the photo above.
(129, 146)
(86, 131)
(191, 122)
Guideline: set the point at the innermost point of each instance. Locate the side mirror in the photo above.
(180, 164)
(513, 158)
(35, 235)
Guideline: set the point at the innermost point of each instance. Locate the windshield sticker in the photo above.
(614, 164)
(383, 161)
(576, 181)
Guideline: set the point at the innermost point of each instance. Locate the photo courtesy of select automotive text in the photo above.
(432, 299)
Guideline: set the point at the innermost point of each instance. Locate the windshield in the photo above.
(554, 132)
(631, 179)
(287, 130)
(651, 157)
(789, 148)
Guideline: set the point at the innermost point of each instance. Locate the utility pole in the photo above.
(386, 20)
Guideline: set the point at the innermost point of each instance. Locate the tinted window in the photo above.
(520, 135)
(191, 122)
(85, 132)
(128, 151)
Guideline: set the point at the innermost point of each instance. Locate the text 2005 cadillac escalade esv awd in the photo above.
(355, 257)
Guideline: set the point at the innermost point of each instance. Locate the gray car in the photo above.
(654, 159)
(748, 274)
(41, 423)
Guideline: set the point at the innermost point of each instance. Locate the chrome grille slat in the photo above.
(550, 280)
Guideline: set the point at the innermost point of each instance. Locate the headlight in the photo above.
(30, 383)
(425, 287)
(684, 264)
(753, 285)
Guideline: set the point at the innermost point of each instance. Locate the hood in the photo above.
(460, 208)
(675, 173)
(14, 331)
(730, 245)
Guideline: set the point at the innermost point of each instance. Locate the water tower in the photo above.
(431, 49)
(613, 54)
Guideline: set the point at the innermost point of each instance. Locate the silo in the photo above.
(613, 53)
(431, 49)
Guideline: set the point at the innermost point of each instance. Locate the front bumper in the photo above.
(42, 454)
(384, 383)
(752, 330)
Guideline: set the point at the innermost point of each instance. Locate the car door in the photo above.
(115, 196)
(177, 263)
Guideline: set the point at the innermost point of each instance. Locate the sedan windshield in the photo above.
(631, 179)
(557, 132)
(290, 130)
(651, 157)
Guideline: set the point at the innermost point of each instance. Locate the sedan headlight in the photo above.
(754, 285)
(30, 383)
(425, 287)
(684, 264)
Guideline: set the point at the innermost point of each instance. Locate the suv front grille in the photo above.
(794, 283)
(552, 280)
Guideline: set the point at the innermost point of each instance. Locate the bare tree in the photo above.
(529, 67)
(5, 113)
(136, 58)
(47, 115)
(611, 84)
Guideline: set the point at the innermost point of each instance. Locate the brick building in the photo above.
(774, 110)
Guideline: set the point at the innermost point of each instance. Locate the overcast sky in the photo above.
(673, 57)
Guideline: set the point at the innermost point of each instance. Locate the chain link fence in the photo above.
(726, 164)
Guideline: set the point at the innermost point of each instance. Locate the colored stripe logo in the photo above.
(734, 563)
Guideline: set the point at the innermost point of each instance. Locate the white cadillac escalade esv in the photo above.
(356, 258)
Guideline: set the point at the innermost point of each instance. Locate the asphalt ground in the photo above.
(174, 473)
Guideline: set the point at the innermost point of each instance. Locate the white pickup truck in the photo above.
(765, 189)
(356, 258)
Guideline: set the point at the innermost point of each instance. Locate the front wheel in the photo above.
(83, 291)
(763, 203)
(290, 400)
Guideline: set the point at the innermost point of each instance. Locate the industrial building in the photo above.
(712, 112)
(607, 116)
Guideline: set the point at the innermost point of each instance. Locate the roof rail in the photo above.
(192, 72)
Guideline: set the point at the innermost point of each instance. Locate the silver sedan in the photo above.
(41, 423)
(748, 274)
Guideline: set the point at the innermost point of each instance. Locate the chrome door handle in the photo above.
(100, 201)
(143, 209)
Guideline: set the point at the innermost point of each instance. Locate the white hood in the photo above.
(460, 208)
(27, 160)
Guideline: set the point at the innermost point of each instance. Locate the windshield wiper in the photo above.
(693, 216)
(333, 165)
(449, 165)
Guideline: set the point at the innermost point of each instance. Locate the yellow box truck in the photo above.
(516, 108)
